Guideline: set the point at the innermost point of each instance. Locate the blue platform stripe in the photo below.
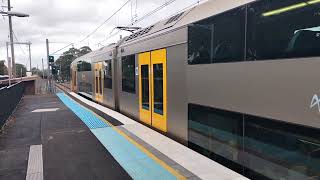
(90, 119)
(135, 162)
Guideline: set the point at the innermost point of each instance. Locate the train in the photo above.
(236, 81)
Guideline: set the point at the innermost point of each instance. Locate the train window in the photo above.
(128, 74)
(217, 134)
(283, 29)
(218, 39)
(145, 86)
(258, 148)
(83, 66)
(108, 74)
(158, 88)
(281, 151)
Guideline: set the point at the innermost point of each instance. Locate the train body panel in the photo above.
(104, 61)
(177, 98)
(128, 94)
(274, 89)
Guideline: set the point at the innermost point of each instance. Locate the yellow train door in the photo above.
(98, 81)
(74, 81)
(153, 88)
(145, 87)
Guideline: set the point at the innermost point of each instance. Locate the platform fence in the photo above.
(10, 96)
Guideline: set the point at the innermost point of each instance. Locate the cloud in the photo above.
(66, 21)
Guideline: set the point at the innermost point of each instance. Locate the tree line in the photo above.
(62, 63)
(21, 69)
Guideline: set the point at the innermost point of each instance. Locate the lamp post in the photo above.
(10, 13)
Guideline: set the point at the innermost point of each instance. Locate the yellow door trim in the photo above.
(98, 84)
(74, 80)
(160, 121)
(145, 115)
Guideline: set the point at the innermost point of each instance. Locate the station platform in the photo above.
(66, 136)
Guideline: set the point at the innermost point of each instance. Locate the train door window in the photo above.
(100, 81)
(145, 86)
(128, 74)
(283, 29)
(218, 39)
(108, 74)
(74, 78)
(96, 81)
(158, 88)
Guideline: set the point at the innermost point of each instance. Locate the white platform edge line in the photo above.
(120, 117)
(35, 163)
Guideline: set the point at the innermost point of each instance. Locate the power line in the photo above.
(95, 30)
(62, 48)
(167, 3)
(142, 18)
(154, 11)
(15, 36)
(145, 16)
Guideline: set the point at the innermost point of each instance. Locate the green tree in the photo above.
(21, 70)
(84, 50)
(64, 61)
(3, 68)
(36, 71)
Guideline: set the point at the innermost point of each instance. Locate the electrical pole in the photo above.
(42, 69)
(49, 73)
(11, 42)
(30, 56)
(9, 63)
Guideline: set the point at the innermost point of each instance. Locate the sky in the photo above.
(69, 21)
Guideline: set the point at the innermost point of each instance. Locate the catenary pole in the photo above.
(30, 56)
(11, 42)
(49, 72)
(42, 69)
(9, 64)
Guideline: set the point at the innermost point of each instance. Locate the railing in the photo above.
(9, 98)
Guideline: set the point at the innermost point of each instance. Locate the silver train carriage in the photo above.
(237, 82)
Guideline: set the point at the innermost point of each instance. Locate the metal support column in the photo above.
(11, 42)
(30, 56)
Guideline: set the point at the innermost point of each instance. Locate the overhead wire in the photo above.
(140, 19)
(167, 3)
(15, 36)
(95, 30)
(151, 13)
(154, 11)
(61, 49)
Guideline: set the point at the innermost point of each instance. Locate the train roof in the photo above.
(197, 13)
(96, 53)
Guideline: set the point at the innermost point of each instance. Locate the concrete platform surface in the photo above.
(70, 150)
